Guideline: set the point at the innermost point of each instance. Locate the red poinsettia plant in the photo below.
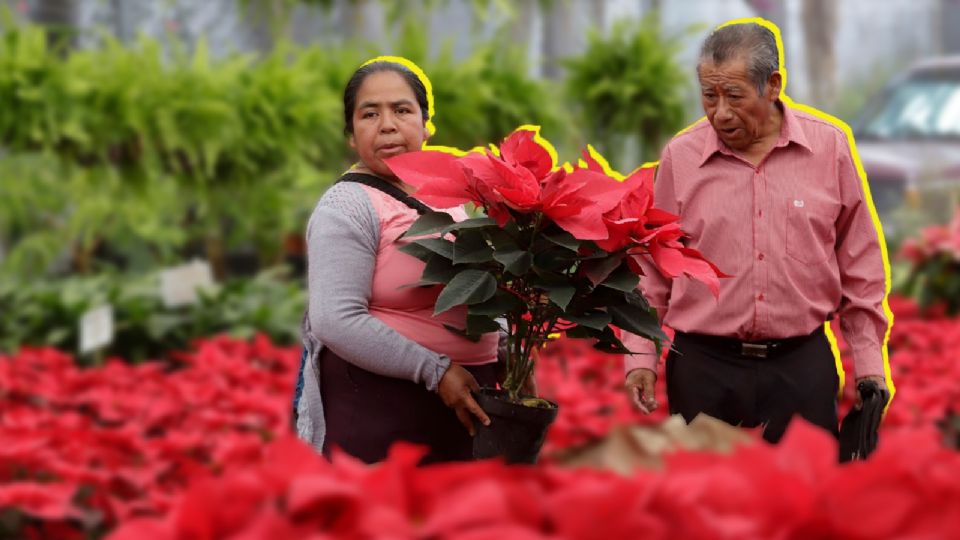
(559, 246)
(934, 276)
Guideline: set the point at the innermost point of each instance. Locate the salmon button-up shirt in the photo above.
(795, 231)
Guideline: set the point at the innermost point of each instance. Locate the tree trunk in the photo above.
(522, 25)
(557, 33)
(598, 12)
(59, 16)
(265, 20)
(819, 34)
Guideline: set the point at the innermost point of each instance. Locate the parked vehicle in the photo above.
(908, 138)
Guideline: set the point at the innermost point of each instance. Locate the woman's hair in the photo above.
(353, 86)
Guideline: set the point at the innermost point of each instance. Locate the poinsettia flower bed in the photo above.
(588, 384)
(924, 351)
(199, 447)
(103, 445)
(908, 489)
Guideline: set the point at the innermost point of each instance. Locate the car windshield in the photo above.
(916, 109)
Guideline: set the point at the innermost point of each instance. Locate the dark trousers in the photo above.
(365, 413)
(799, 380)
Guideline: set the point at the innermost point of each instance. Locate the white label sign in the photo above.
(179, 285)
(96, 329)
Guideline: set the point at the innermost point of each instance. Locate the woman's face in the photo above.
(387, 121)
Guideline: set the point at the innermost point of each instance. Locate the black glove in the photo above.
(859, 430)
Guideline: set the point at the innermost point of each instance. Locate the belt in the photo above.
(752, 349)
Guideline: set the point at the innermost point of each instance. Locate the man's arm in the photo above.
(863, 279)
(654, 286)
(641, 368)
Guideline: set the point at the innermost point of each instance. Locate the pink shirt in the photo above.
(409, 310)
(794, 231)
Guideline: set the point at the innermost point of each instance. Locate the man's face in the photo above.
(386, 121)
(734, 108)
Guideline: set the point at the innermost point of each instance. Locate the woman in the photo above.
(379, 368)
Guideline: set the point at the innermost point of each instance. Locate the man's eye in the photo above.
(368, 114)
(403, 110)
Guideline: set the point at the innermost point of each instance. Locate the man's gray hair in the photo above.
(754, 43)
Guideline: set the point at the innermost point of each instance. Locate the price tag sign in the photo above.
(179, 285)
(96, 329)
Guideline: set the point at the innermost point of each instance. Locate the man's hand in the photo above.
(858, 400)
(640, 388)
(454, 390)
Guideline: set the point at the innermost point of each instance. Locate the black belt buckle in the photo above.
(756, 350)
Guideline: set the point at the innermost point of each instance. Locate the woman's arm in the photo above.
(343, 237)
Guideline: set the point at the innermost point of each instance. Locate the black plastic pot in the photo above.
(516, 432)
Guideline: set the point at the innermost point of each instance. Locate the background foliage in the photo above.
(47, 312)
(120, 158)
(628, 88)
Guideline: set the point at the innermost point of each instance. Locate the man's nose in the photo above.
(724, 112)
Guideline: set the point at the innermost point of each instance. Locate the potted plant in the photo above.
(559, 247)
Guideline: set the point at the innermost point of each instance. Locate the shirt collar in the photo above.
(790, 131)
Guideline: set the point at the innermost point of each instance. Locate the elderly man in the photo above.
(772, 196)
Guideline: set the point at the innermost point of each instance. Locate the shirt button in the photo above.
(760, 256)
(760, 297)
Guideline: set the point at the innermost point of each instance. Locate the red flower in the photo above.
(48, 501)
(522, 178)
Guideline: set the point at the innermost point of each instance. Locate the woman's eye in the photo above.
(403, 110)
(368, 114)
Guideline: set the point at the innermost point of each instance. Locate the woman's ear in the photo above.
(352, 141)
(426, 134)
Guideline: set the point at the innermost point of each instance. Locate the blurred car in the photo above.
(908, 139)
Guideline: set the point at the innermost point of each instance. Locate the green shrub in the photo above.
(629, 84)
(147, 156)
(48, 313)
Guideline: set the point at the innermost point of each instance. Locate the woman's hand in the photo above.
(454, 390)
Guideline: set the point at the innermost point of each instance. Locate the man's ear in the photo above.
(774, 85)
(426, 134)
(352, 141)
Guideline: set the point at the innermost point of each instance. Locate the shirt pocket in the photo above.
(810, 234)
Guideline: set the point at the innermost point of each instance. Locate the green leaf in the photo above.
(560, 295)
(439, 269)
(598, 270)
(416, 250)
(598, 320)
(437, 245)
(501, 303)
(554, 260)
(430, 223)
(563, 239)
(477, 325)
(474, 223)
(517, 262)
(622, 279)
(468, 287)
(462, 333)
(471, 247)
(501, 240)
(481, 324)
(636, 320)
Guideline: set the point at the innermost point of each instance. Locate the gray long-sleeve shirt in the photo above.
(343, 235)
